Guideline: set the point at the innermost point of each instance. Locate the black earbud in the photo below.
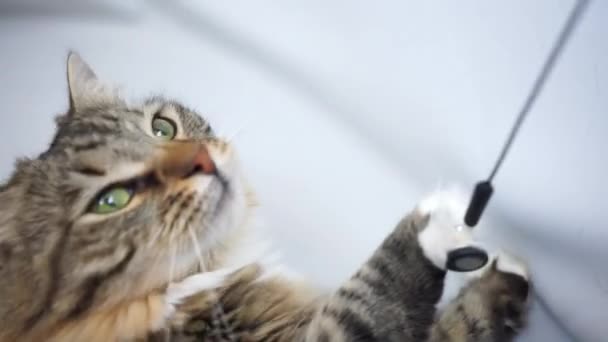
(479, 201)
(469, 259)
(466, 259)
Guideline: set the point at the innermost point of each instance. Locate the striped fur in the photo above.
(181, 261)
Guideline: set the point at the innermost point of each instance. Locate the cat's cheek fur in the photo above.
(125, 323)
(140, 317)
(445, 230)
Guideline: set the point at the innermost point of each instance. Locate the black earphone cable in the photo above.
(484, 189)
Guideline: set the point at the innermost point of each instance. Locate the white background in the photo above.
(348, 111)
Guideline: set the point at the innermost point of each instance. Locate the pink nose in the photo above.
(183, 159)
(203, 162)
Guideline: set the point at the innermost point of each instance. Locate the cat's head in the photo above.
(126, 199)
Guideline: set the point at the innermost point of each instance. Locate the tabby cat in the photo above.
(137, 224)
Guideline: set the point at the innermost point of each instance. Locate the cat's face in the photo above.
(126, 199)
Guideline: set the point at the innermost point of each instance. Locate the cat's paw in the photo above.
(445, 230)
(506, 279)
(515, 277)
(494, 302)
(176, 293)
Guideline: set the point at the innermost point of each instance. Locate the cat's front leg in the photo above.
(393, 295)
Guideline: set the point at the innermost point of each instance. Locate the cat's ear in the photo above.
(85, 88)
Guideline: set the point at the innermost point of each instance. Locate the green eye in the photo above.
(112, 200)
(163, 128)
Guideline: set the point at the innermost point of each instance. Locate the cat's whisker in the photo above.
(197, 248)
(172, 260)
(157, 235)
(239, 130)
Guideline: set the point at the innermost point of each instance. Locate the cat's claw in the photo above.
(445, 230)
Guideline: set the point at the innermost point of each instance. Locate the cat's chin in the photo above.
(232, 210)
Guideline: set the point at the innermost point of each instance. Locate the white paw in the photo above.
(446, 230)
(177, 292)
(505, 262)
(509, 263)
